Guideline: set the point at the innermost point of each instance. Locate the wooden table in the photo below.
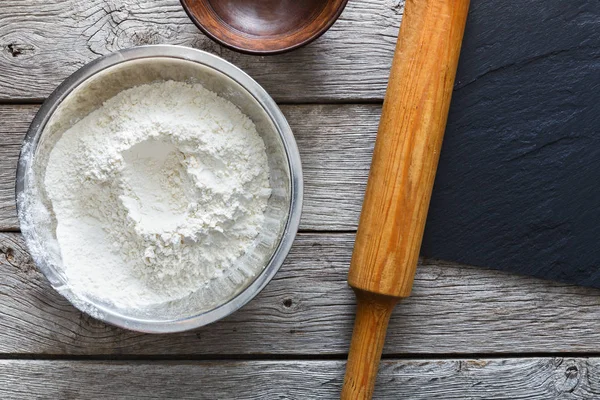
(465, 333)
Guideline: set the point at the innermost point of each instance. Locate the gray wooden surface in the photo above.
(45, 41)
(466, 333)
(531, 379)
(308, 310)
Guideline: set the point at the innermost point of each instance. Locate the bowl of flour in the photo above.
(159, 188)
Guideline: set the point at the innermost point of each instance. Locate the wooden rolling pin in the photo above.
(403, 169)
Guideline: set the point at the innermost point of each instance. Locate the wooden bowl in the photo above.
(263, 26)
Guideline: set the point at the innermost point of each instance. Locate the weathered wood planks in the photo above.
(495, 379)
(309, 309)
(41, 43)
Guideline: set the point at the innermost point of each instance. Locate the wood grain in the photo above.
(405, 159)
(259, 27)
(41, 43)
(373, 312)
(309, 309)
(530, 379)
(15, 121)
(407, 149)
(335, 142)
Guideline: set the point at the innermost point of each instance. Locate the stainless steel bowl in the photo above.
(100, 80)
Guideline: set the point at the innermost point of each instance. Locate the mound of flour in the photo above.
(156, 193)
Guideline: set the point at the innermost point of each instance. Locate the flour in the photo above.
(157, 193)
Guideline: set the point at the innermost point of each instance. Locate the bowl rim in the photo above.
(245, 50)
(214, 62)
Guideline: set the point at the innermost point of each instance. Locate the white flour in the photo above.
(156, 193)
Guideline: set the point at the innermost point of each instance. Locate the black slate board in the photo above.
(518, 184)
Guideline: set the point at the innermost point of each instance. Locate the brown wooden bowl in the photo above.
(263, 26)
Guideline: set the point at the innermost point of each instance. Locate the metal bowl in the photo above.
(86, 90)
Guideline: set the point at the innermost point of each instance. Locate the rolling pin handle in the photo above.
(373, 313)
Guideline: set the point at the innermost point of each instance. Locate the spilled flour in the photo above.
(157, 192)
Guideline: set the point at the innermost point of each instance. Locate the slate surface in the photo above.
(518, 185)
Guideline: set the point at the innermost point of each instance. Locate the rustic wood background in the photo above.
(465, 333)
